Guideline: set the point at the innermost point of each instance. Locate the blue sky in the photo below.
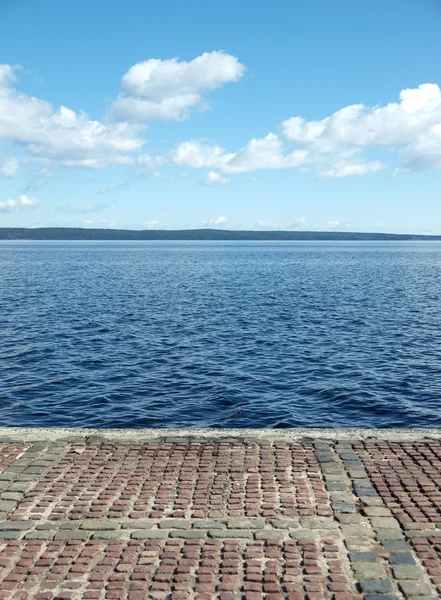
(289, 115)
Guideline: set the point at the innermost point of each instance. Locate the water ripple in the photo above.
(148, 334)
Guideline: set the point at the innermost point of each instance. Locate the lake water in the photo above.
(219, 334)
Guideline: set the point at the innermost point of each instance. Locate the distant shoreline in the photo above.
(78, 234)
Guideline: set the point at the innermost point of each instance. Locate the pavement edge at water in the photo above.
(26, 434)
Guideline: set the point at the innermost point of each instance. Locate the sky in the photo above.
(293, 115)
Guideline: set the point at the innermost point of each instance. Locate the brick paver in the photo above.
(227, 519)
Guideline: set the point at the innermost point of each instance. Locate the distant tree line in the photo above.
(74, 233)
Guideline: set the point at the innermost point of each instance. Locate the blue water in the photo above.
(218, 334)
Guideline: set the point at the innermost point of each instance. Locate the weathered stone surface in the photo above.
(174, 524)
(389, 534)
(246, 523)
(145, 534)
(384, 523)
(318, 523)
(362, 557)
(71, 534)
(127, 516)
(269, 534)
(7, 525)
(336, 486)
(138, 524)
(285, 523)
(401, 558)
(377, 511)
(10, 535)
(109, 535)
(368, 570)
(407, 572)
(348, 519)
(98, 524)
(343, 507)
(208, 524)
(230, 533)
(380, 586)
(414, 588)
(195, 534)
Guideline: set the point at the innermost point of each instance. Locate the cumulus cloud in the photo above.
(23, 202)
(413, 125)
(216, 221)
(165, 90)
(263, 153)
(214, 178)
(9, 167)
(63, 136)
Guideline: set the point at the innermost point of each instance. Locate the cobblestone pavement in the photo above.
(228, 519)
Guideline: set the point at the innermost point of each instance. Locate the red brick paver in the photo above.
(173, 569)
(9, 453)
(408, 478)
(180, 480)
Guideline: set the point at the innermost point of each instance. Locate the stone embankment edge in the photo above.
(27, 434)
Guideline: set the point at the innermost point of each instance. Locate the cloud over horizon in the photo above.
(23, 202)
(166, 90)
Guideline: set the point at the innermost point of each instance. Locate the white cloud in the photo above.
(263, 153)
(216, 221)
(151, 162)
(9, 167)
(198, 154)
(23, 202)
(413, 125)
(341, 168)
(63, 136)
(214, 178)
(164, 90)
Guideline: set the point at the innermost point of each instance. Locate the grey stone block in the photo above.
(380, 597)
(39, 535)
(207, 524)
(230, 533)
(362, 557)
(8, 525)
(138, 524)
(381, 586)
(10, 535)
(69, 534)
(407, 572)
(365, 491)
(246, 523)
(108, 535)
(368, 570)
(269, 534)
(195, 534)
(384, 523)
(415, 588)
(143, 534)
(336, 486)
(343, 507)
(98, 524)
(174, 524)
(395, 545)
(401, 558)
(285, 523)
(388, 534)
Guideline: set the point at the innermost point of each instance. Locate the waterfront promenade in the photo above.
(218, 514)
